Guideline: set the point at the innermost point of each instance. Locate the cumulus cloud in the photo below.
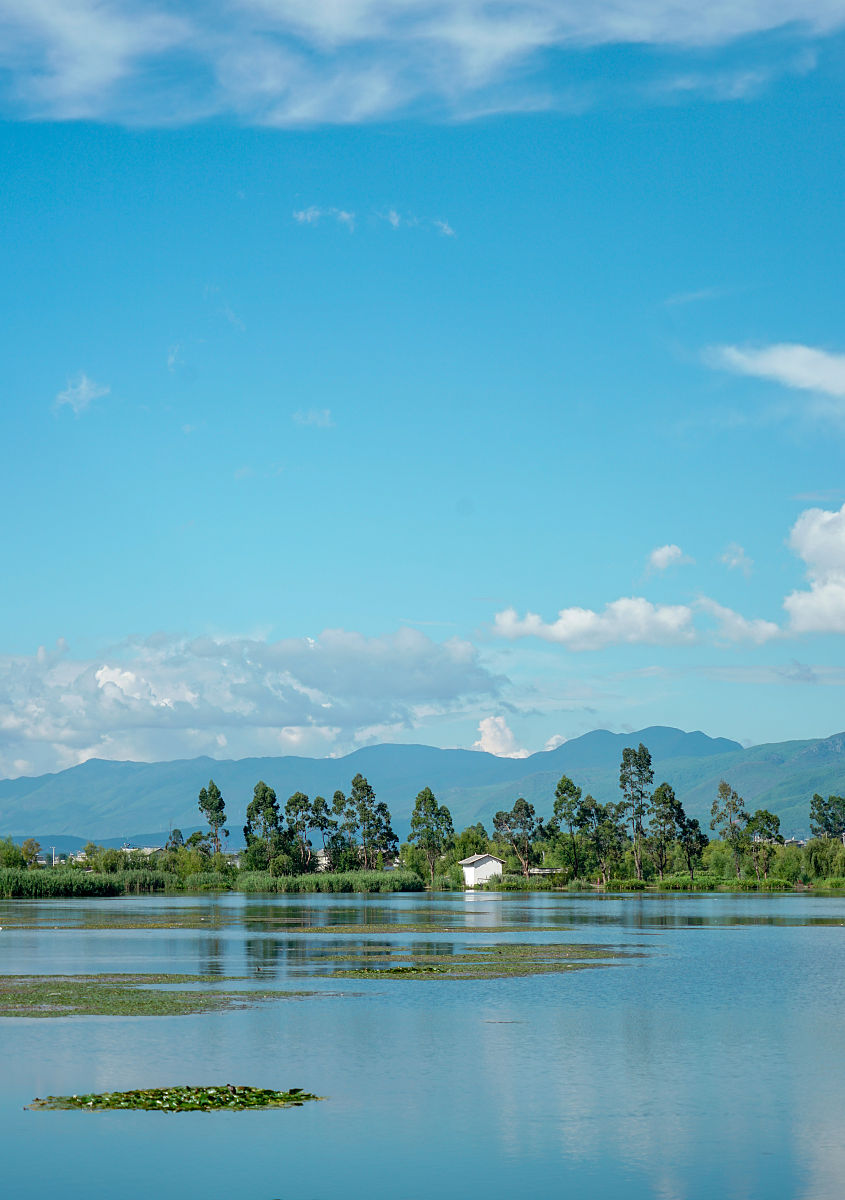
(787, 363)
(631, 620)
(818, 537)
(556, 740)
(667, 556)
(735, 559)
(293, 62)
(169, 697)
(80, 392)
(495, 737)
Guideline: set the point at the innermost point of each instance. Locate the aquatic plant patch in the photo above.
(181, 1099)
(121, 996)
(485, 962)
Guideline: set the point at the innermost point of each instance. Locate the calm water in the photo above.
(711, 1066)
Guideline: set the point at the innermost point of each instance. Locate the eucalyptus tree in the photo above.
(692, 840)
(763, 832)
(262, 832)
(666, 816)
(373, 823)
(567, 799)
(431, 828)
(636, 775)
(518, 827)
(729, 818)
(299, 818)
(603, 826)
(827, 817)
(212, 807)
(322, 819)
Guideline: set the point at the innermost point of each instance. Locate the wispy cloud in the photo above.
(789, 363)
(80, 392)
(313, 216)
(299, 62)
(735, 559)
(319, 418)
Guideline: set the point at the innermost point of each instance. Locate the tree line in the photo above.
(644, 834)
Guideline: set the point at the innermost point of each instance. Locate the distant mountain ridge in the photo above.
(102, 799)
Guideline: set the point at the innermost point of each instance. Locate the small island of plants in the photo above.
(181, 1099)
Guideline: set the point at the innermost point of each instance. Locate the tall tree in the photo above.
(636, 776)
(261, 831)
(567, 799)
(299, 816)
(827, 817)
(322, 819)
(729, 818)
(431, 828)
(692, 839)
(763, 832)
(518, 827)
(666, 817)
(373, 823)
(214, 810)
(604, 829)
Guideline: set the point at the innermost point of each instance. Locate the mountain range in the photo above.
(108, 801)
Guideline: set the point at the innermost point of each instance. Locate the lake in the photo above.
(704, 1057)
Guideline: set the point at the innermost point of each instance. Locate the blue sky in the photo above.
(464, 373)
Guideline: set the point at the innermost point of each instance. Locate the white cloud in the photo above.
(736, 628)
(80, 392)
(667, 556)
(320, 418)
(495, 737)
(787, 363)
(293, 62)
(631, 620)
(735, 559)
(556, 740)
(171, 697)
(818, 537)
(313, 215)
(445, 228)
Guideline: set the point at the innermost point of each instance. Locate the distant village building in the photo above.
(478, 868)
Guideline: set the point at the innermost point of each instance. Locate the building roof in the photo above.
(476, 858)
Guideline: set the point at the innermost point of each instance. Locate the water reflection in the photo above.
(711, 1066)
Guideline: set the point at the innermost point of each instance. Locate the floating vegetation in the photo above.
(121, 996)
(485, 962)
(182, 1099)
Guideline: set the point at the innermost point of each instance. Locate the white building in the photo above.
(478, 868)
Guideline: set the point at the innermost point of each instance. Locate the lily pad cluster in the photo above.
(181, 1099)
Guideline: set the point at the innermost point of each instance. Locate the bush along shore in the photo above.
(645, 840)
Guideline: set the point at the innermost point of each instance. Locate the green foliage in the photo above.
(636, 776)
(431, 828)
(827, 817)
(518, 828)
(331, 881)
(36, 885)
(11, 856)
(214, 810)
